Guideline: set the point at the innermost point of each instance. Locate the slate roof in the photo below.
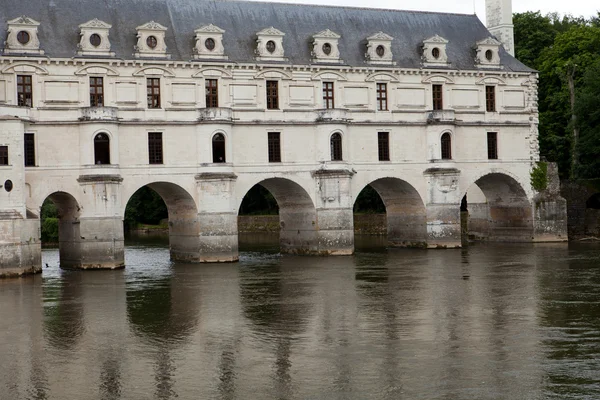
(59, 32)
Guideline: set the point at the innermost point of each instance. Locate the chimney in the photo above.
(498, 14)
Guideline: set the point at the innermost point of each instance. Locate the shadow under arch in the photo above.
(498, 209)
(297, 216)
(69, 238)
(184, 227)
(405, 212)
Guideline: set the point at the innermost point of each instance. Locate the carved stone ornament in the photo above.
(434, 52)
(94, 39)
(269, 45)
(151, 41)
(22, 37)
(379, 49)
(488, 53)
(209, 43)
(325, 47)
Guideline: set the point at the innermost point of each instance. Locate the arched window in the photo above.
(336, 147)
(446, 142)
(101, 149)
(218, 147)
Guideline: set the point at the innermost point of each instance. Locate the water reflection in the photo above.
(63, 311)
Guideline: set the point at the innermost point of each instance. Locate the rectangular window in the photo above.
(153, 92)
(492, 145)
(212, 93)
(490, 98)
(3, 155)
(96, 92)
(29, 150)
(272, 95)
(382, 97)
(24, 91)
(383, 144)
(436, 91)
(328, 95)
(155, 148)
(274, 147)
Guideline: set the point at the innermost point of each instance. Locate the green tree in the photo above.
(587, 108)
(145, 207)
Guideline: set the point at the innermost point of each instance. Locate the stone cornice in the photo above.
(100, 178)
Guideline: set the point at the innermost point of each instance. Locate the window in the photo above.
(101, 149)
(446, 143)
(29, 154)
(382, 97)
(274, 147)
(436, 91)
(272, 95)
(336, 147)
(492, 145)
(490, 98)
(153, 92)
(212, 93)
(96, 92)
(155, 148)
(3, 155)
(24, 91)
(328, 95)
(383, 145)
(218, 147)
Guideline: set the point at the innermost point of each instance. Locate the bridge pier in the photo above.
(443, 211)
(20, 248)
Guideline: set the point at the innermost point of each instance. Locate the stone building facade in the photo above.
(201, 100)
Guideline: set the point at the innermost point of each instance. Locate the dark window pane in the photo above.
(101, 149)
(155, 148)
(490, 98)
(274, 145)
(328, 95)
(96, 92)
(3, 155)
(153, 92)
(336, 147)
(272, 95)
(212, 93)
(382, 97)
(383, 145)
(218, 145)
(446, 143)
(437, 97)
(24, 91)
(492, 145)
(29, 150)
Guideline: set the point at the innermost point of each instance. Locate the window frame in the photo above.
(96, 99)
(152, 98)
(211, 92)
(328, 95)
(383, 146)
(492, 145)
(213, 141)
(97, 154)
(446, 146)
(24, 98)
(274, 147)
(490, 98)
(336, 146)
(155, 148)
(437, 96)
(4, 160)
(272, 92)
(381, 96)
(29, 149)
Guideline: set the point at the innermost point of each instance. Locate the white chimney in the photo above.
(498, 14)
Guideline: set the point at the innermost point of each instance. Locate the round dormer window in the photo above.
(271, 46)
(326, 49)
(489, 55)
(380, 50)
(23, 37)
(435, 53)
(151, 42)
(209, 44)
(95, 40)
(8, 185)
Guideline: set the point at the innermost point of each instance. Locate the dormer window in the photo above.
(209, 43)
(22, 37)
(94, 39)
(269, 45)
(488, 53)
(434, 52)
(151, 41)
(379, 49)
(325, 47)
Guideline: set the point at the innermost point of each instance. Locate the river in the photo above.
(500, 321)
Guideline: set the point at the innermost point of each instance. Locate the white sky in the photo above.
(586, 8)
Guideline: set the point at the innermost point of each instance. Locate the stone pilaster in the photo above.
(217, 217)
(443, 208)
(335, 219)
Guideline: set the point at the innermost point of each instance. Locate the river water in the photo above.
(499, 321)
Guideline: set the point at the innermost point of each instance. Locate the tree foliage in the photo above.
(587, 108)
(145, 207)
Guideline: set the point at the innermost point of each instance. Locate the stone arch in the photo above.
(297, 215)
(405, 210)
(184, 226)
(504, 213)
(69, 238)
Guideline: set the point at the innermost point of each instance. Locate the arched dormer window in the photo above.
(218, 148)
(336, 147)
(446, 144)
(101, 149)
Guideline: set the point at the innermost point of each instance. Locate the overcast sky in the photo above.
(586, 8)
